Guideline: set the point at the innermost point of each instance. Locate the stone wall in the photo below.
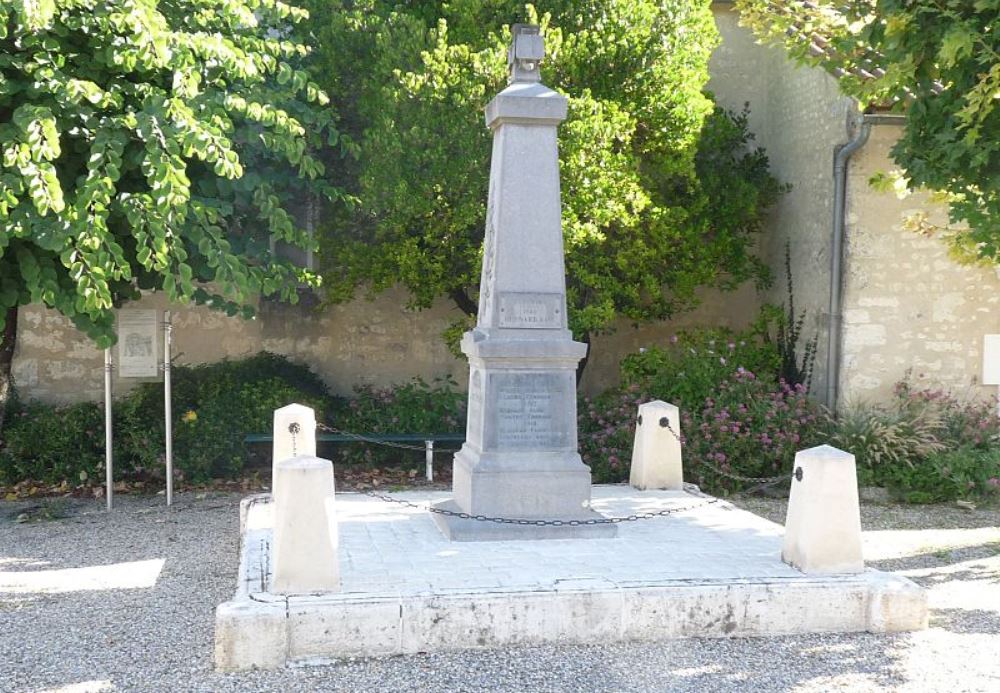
(908, 307)
(799, 117)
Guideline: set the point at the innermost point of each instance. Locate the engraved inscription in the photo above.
(529, 411)
(531, 310)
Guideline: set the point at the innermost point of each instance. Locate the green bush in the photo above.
(413, 407)
(884, 438)
(751, 428)
(690, 368)
(607, 430)
(214, 407)
(902, 444)
(53, 444)
(965, 472)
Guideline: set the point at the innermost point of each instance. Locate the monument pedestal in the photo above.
(520, 458)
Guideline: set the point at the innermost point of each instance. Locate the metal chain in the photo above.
(540, 523)
(665, 422)
(389, 444)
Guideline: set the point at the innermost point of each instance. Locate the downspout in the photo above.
(840, 163)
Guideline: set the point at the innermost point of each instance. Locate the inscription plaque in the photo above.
(137, 344)
(531, 310)
(529, 411)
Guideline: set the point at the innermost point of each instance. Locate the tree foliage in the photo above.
(938, 61)
(152, 145)
(661, 194)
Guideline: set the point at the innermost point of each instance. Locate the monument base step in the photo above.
(461, 529)
(711, 571)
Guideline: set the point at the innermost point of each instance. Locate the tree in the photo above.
(661, 194)
(937, 61)
(150, 145)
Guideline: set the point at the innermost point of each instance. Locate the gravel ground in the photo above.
(160, 637)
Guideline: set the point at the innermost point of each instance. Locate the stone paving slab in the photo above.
(713, 570)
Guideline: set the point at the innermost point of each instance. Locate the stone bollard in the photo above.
(305, 527)
(823, 525)
(288, 444)
(656, 453)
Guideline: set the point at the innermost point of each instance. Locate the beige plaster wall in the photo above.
(378, 342)
(799, 117)
(907, 305)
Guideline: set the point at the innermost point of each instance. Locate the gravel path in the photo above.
(159, 637)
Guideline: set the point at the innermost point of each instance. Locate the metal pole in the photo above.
(108, 436)
(429, 455)
(167, 409)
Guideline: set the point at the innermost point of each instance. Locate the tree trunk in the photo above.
(464, 303)
(7, 343)
(585, 338)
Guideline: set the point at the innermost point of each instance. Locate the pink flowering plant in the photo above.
(690, 367)
(964, 464)
(750, 428)
(606, 431)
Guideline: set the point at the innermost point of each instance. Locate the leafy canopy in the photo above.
(152, 144)
(936, 60)
(660, 193)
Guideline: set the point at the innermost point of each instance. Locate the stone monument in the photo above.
(520, 458)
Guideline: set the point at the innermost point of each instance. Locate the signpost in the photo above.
(108, 453)
(137, 359)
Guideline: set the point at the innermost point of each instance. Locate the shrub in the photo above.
(882, 438)
(908, 438)
(413, 407)
(690, 369)
(214, 407)
(965, 472)
(607, 431)
(750, 428)
(53, 444)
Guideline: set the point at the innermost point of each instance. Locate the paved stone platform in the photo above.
(713, 570)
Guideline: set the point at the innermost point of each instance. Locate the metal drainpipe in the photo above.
(840, 161)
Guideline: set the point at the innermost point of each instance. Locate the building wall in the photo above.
(908, 306)
(798, 115)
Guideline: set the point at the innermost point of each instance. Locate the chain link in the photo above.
(294, 430)
(763, 480)
(541, 522)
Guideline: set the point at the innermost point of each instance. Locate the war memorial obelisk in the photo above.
(520, 457)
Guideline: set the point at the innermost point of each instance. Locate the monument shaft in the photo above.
(520, 458)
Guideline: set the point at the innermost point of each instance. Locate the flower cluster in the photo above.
(751, 428)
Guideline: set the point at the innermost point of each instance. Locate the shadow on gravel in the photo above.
(939, 565)
(966, 621)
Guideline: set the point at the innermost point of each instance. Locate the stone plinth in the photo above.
(711, 571)
(520, 457)
(823, 525)
(305, 527)
(656, 453)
